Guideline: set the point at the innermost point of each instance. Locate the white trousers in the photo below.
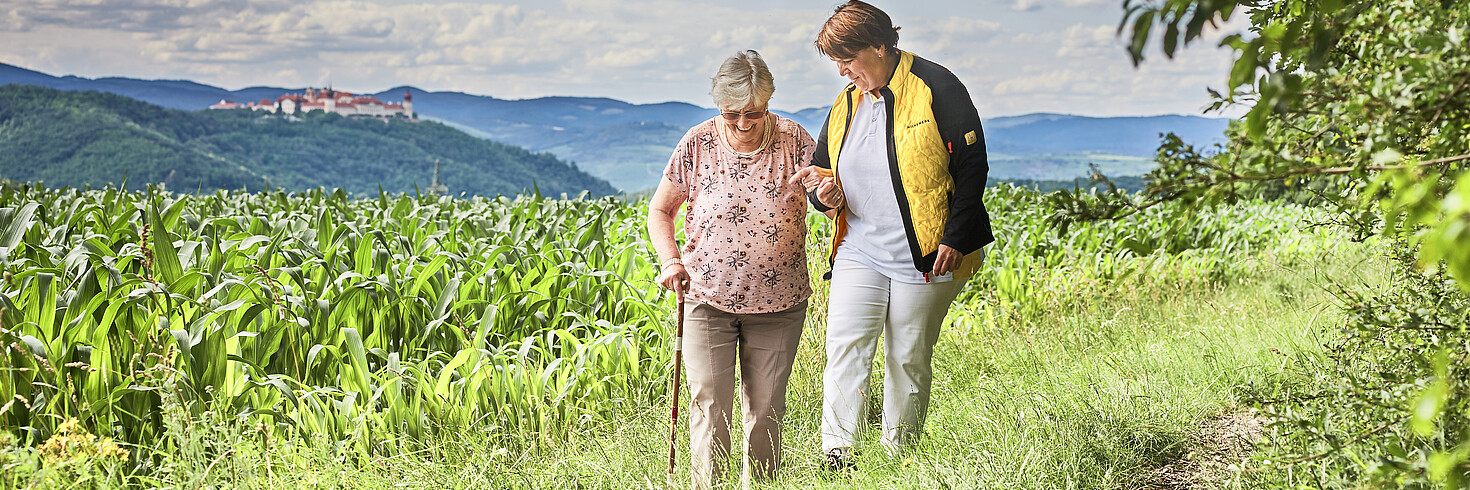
(863, 305)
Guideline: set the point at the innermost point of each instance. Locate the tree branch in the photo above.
(1446, 102)
(1430, 163)
(1336, 448)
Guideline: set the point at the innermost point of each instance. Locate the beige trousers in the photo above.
(765, 344)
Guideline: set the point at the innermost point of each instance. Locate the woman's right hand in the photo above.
(675, 278)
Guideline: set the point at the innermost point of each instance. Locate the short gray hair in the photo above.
(743, 81)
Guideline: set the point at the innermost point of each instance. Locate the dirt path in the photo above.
(1218, 443)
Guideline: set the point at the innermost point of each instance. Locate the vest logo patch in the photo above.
(970, 138)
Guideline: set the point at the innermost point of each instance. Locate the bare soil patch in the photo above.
(1218, 443)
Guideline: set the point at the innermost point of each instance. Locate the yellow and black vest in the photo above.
(936, 154)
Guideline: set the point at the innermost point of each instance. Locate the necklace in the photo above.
(766, 132)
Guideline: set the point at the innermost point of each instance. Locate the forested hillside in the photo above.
(92, 138)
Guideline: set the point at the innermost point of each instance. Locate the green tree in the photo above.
(1368, 100)
(1366, 105)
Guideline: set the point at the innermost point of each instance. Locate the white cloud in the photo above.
(1110, 85)
(1026, 5)
(135, 15)
(1089, 41)
(1034, 5)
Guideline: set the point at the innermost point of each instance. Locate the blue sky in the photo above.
(1015, 56)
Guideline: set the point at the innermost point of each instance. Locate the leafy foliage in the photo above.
(1390, 408)
(1373, 97)
(1366, 105)
(88, 138)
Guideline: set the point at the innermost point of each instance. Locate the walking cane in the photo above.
(678, 363)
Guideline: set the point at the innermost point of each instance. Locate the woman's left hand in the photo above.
(823, 183)
(829, 194)
(947, 260)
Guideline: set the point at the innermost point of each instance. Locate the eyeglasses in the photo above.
(735, 116)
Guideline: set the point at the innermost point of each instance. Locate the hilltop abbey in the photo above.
(327, 100)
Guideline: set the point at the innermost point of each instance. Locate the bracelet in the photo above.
(676, 260)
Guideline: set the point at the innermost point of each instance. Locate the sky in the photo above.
(1014, 56)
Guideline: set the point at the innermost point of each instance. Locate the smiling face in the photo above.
(747, 124)
(867, 69)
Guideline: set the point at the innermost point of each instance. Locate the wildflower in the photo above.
(72, 442)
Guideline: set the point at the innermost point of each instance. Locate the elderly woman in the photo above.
(744, 264)
(901, 160)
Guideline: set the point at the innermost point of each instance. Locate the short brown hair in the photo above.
(855, 26)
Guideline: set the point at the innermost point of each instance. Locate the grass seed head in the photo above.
(147, 252)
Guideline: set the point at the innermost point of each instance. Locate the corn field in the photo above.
(362, 320)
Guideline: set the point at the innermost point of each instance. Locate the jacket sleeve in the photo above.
(821, 157)
(968, 225)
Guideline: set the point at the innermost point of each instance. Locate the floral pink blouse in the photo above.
(745, 225)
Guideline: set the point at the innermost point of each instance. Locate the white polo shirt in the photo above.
(875, 233)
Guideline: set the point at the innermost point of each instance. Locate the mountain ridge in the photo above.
(596, 132)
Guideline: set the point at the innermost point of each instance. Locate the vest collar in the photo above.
(900, 75)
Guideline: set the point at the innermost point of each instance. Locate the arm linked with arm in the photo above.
(821, 158)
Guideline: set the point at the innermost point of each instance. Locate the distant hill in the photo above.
(1046, 134)
(1062, 147)
(91, 138)
(628, 144)
(172, 94)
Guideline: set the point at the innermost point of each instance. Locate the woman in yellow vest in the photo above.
(901, 166)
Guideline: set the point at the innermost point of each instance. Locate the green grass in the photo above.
(1091, 396)
(1094, 393)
